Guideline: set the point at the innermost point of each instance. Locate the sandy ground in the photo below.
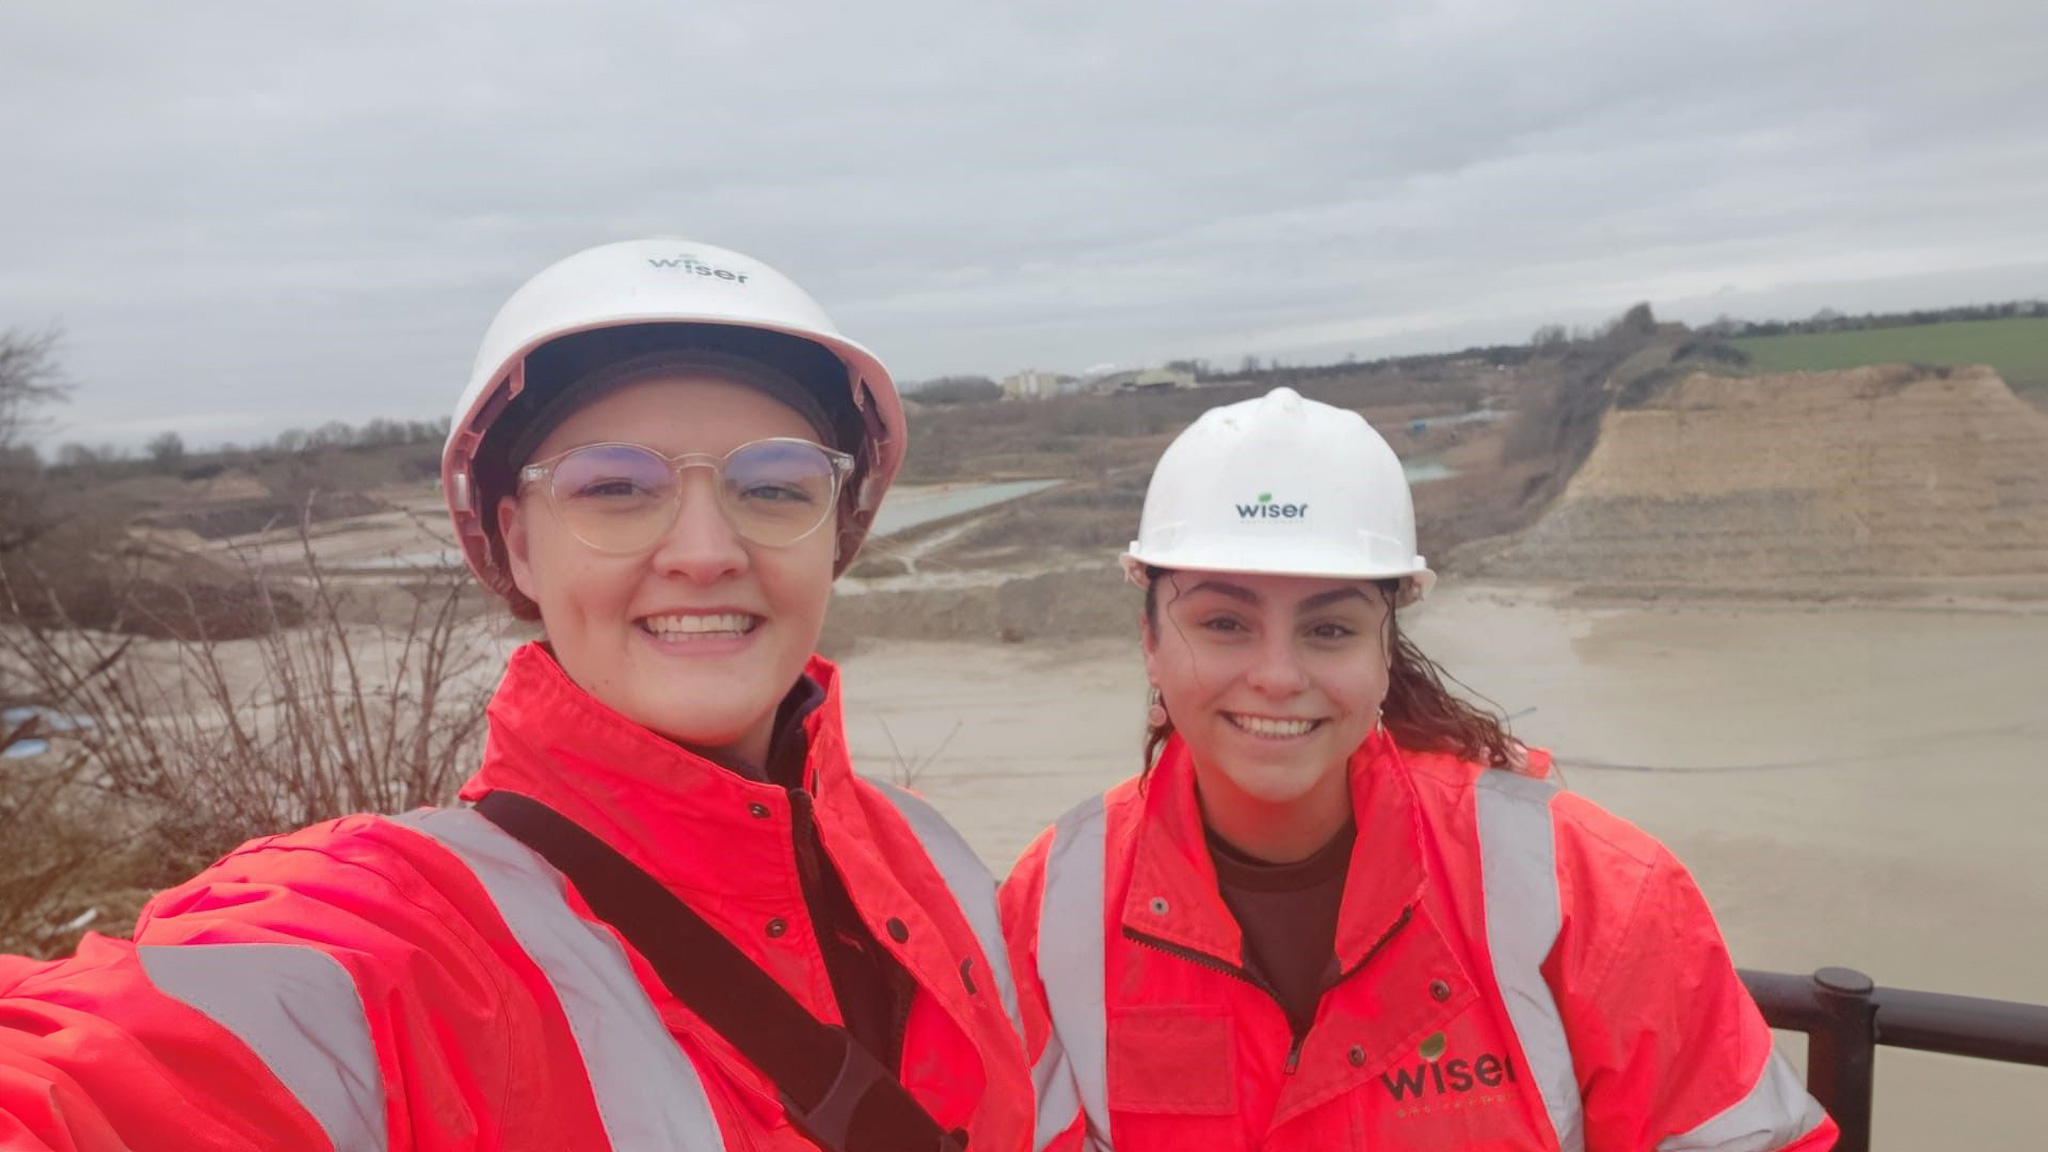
(1856, 787)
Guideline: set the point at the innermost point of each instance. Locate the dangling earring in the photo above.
(1379, 722)
(1155, 713)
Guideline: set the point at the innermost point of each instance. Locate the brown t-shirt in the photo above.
(1288, 914)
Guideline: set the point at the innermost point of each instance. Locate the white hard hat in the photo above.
(638, 282)
(1281, 485)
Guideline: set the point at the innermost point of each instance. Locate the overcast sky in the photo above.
(251, 216)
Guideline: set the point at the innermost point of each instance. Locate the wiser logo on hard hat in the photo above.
(660, 280)
(1218, 501)
(1265, 509)
(692, 264)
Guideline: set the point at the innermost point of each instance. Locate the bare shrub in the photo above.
(907, 771)
(30, 379)
(196, 743)
(54, 834)
(1712, 350)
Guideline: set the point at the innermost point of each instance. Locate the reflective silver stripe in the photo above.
(1058, 1095)
(647, 1091)
(1071, 965)
(1776, 1112)
(299, 1010)
(974, 890)
(1518, 866)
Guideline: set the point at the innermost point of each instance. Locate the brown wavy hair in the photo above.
(1420, 713)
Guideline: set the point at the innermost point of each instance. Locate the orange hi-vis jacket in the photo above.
(426, 982)
(1518, 970)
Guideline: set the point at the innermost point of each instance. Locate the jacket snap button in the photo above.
(1356, 1056)
(967, 976)
(777, 927)
(898, 931)
(1440, 990)
(1159, 905)
(758, 811)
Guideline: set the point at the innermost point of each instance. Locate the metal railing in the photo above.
(1845, 1018)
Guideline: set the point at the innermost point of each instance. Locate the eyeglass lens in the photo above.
(622, 497)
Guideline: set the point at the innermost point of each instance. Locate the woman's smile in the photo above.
(1270, 727)
(693, 631)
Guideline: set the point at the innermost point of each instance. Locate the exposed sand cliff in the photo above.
(1861, 479)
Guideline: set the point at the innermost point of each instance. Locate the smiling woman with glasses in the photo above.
(667, 914)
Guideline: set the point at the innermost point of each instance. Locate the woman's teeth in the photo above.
(1263, 726)
(691, 627)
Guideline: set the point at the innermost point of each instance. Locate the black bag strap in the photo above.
(835, 1090)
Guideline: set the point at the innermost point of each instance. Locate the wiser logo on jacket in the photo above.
(1265, 509)
(1433, 1076)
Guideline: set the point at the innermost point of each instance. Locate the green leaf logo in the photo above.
(1432, 1047)
(1265, 497)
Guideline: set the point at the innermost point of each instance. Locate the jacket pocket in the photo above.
(1179, 1061)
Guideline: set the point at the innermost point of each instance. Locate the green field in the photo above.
(2017, 347)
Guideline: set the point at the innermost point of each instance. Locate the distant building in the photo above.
(1031, 386)
(1158, 380)
(1165, 378)
(1145, 380)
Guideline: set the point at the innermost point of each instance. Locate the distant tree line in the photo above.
(1550, 340)
(166, 452)
(1638, 321)
(1829, 320)
(953, 390)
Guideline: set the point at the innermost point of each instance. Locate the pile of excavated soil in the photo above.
(1073, 604)
(1871, 476)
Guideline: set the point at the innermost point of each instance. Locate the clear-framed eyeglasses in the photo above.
(623, 498)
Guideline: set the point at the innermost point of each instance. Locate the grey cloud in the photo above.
(278, 216)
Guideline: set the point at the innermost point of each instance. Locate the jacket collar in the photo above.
(1173, 894)
(651, 798)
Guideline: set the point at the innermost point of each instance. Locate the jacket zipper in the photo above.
(1297, 1034)
(1407, 914)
